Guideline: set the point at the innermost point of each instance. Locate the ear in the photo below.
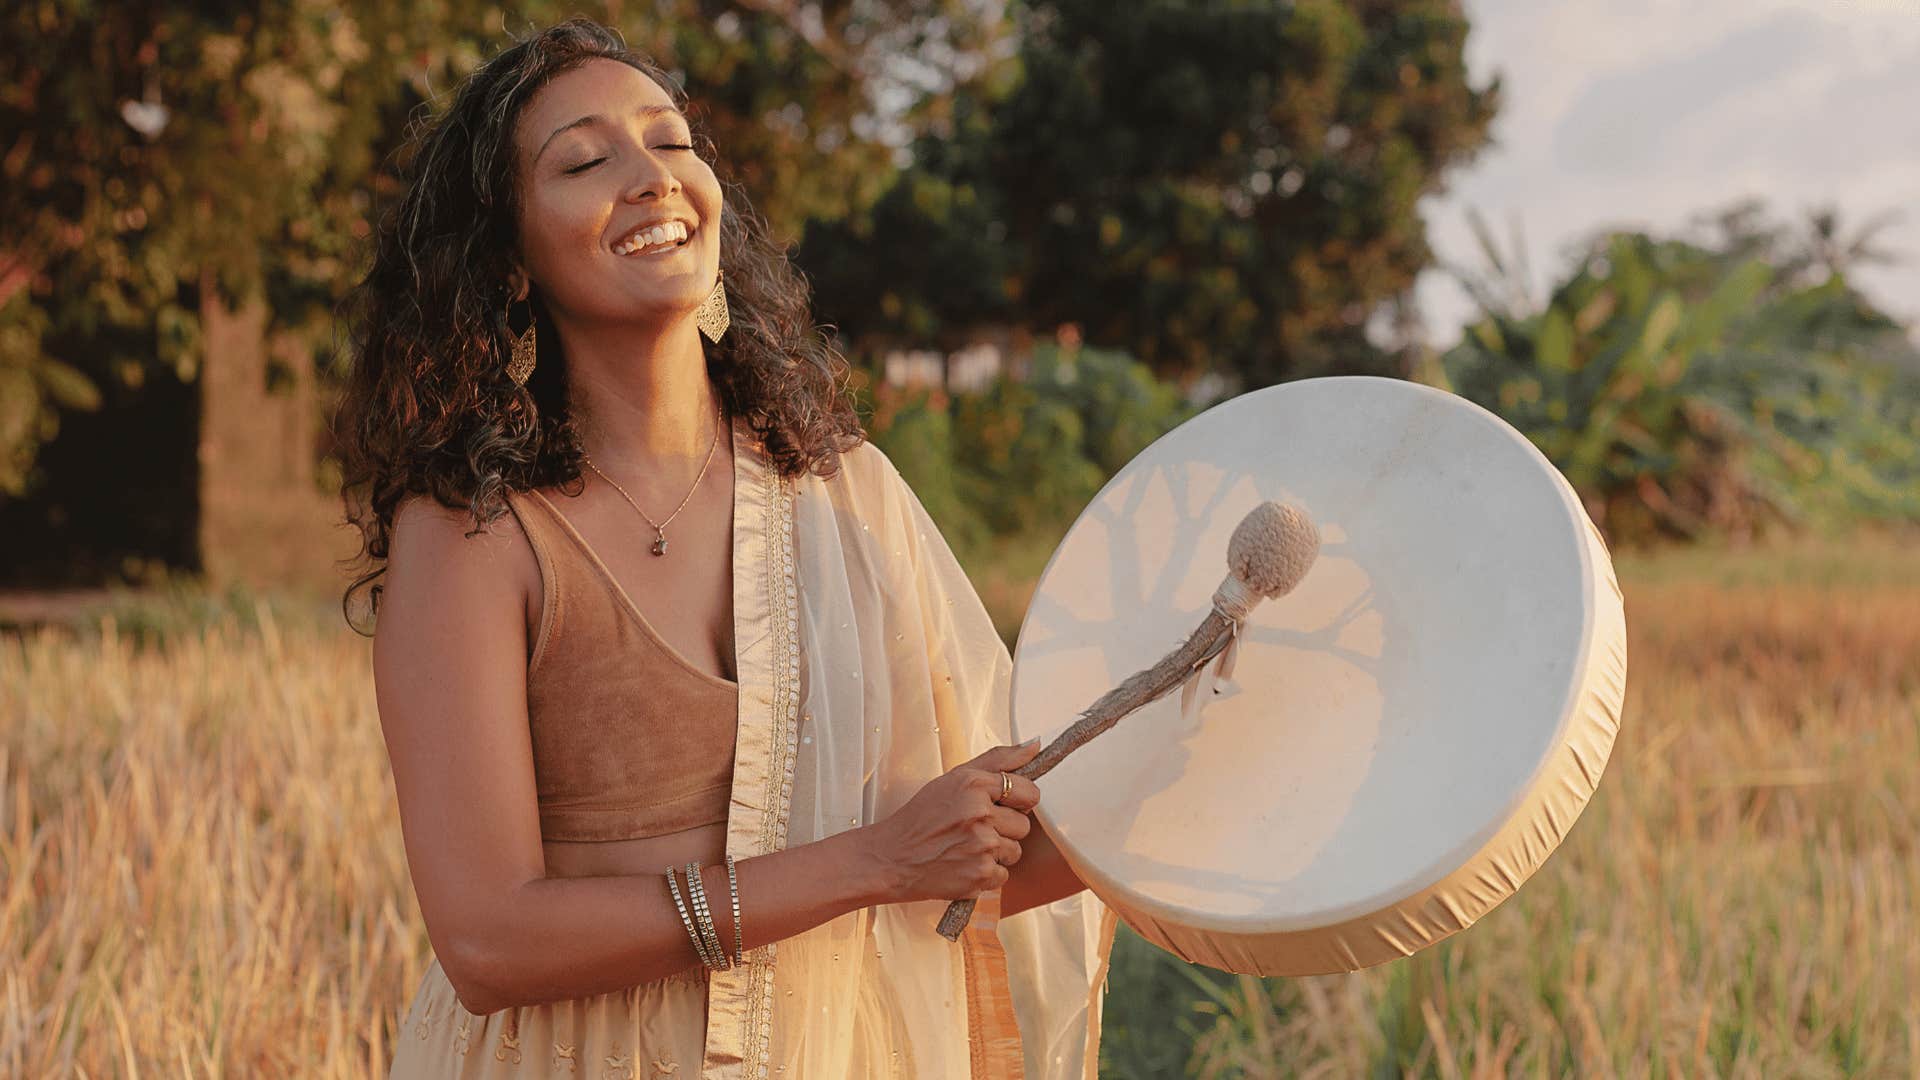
(517, 283)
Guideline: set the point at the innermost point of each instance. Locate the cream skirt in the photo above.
(652, 1030)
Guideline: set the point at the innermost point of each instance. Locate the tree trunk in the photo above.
(264, 521)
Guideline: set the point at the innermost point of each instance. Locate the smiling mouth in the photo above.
(657, 249)
(672, 242)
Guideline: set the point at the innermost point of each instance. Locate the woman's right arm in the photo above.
(449, 659)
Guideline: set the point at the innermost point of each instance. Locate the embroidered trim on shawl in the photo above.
(782, 588)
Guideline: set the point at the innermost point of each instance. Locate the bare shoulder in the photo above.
(423, 524)
(437, 547)
(442, 573)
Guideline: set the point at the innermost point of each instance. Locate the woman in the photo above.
(649, 604)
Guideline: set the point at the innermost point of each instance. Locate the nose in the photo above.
(651, 176)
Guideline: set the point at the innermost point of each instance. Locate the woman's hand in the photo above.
(951, 840)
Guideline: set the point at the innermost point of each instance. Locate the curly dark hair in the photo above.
(428, 407)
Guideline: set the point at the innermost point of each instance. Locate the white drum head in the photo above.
(1416, 725)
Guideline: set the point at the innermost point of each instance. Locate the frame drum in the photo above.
(1408, 734)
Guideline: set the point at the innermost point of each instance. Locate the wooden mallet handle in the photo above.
(1271, 550)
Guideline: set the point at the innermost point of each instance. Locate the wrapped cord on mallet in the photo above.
(1271, 550)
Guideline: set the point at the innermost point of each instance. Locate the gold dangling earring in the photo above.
(713, 316)
(525, 350)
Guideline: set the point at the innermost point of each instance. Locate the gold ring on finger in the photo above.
(1006, 787)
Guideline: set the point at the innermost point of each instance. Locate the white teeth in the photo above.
(671, 232)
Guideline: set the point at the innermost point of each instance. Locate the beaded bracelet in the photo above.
(733, 888)
(697, 892)
(699, 946)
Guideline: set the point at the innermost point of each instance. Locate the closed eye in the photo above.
(585, 165)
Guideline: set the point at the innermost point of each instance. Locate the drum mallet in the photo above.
(1270, 551)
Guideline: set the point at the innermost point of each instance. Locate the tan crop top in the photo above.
(629, 738)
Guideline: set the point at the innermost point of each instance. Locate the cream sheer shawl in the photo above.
(867, 667)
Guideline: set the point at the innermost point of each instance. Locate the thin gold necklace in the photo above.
(660, 528)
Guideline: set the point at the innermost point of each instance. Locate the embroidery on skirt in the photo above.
(563, 1052)
(509, 1045)
(619, 1066)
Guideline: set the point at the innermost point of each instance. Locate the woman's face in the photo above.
(601, 151)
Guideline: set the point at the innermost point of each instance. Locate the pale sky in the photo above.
(1646, 112)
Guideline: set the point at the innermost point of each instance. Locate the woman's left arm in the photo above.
(1040, 877)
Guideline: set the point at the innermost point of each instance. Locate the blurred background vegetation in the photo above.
(1145, 207)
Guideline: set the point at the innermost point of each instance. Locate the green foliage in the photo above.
(28, 401)
(1024, 456)
(1150, 1016)
(1828, 393)
(1693, 389)
(171, 609)
(1121, 405)
(178, 609)
(1021, 455)
(267, 143)
(1210, 186)
(918, 437)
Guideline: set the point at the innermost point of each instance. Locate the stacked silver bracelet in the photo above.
(697, 893)
(733, 889)
(697, 917)
(699, 945)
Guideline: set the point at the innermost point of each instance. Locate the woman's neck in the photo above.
(648, 406)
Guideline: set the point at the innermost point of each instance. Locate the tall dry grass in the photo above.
(201, 871)
(1739, 900)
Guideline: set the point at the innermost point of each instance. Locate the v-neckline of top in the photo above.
(633, 609)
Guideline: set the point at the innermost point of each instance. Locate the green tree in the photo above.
(1021, 457)
(1225, 186)
(161, 165)
(1703, 385)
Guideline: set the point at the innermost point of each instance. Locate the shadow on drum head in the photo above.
(1391, 712)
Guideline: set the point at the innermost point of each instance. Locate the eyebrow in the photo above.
(648, 111)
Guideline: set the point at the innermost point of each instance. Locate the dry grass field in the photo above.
(201, 871)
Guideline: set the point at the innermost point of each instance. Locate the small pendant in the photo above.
(660, 543)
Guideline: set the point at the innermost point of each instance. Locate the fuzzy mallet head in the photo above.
(1272, 549)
